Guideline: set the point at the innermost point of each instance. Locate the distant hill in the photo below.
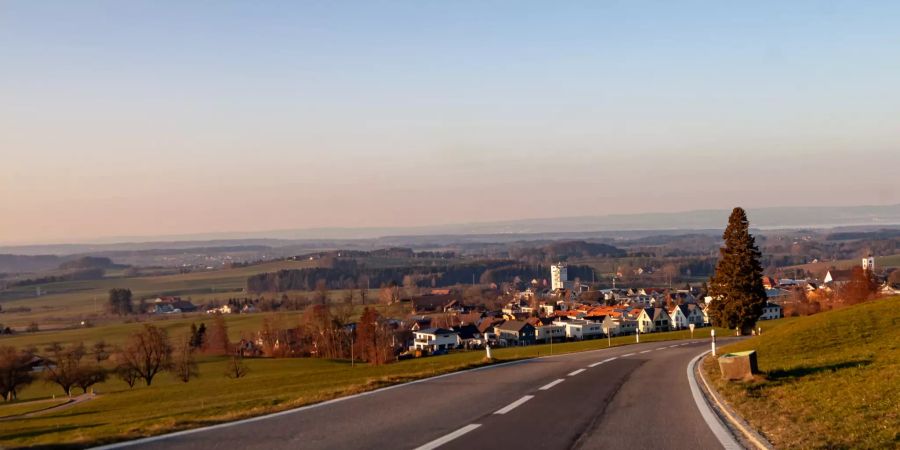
(28, 263)
(850, 218)
(90, 262)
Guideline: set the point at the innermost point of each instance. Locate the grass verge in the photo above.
(831, 380)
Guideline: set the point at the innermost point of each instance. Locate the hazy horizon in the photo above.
(172, 118)
(766, 218)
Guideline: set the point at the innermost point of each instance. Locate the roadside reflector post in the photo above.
(691, 326)
(487, 349)
(637, 336)
(713, 334)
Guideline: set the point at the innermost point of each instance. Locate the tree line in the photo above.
(348, 274)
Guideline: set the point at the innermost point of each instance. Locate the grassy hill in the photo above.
(831, 380)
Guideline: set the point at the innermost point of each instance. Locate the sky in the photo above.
(162, 118)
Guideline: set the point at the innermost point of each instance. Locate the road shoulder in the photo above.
(741, 434)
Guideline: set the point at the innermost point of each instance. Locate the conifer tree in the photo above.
(736, 286)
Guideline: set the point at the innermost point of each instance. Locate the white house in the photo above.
(433, 339)
(654, 319)
(694, 314)
(581, 329)
(678, 319)
(685, 314)
(620, 325)
(771, 311)
(552, 330)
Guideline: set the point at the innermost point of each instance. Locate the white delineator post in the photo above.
(691, 326)
(713, 334)
(637, 336)
(487, 349)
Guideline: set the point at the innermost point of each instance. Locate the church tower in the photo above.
(868, 263)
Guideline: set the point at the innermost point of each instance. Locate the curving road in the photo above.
(635, 396)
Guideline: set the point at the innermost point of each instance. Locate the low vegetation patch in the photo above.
(829, 381)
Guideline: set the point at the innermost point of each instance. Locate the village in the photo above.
(557, 309)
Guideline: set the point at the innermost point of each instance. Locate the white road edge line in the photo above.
(627, 355)
(712, 420)
(514, 405)
(603, 362)
(286, 412)
(551, 384)
(449, 437)
(576, 372)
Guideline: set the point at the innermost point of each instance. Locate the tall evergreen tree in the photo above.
(736, 286)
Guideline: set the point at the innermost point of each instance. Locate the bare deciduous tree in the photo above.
(65, 366)
(148, 352)
(15, 373)
(128, 374)
(89, 376)
(184, 365)
(217, 342)
(236, 367)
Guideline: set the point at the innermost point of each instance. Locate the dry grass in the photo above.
(831, 380)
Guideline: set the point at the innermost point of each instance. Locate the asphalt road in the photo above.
(635, 396)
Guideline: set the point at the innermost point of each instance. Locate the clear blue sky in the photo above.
(147, 118)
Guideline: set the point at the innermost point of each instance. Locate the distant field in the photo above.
(881, 262)
(831, 380)
(239, 325)
(69, 301)
(272, 385)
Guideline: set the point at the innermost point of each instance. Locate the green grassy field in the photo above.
(19, 408)
(65, 303)
(272, 385)
(176, 325)
(831, 380)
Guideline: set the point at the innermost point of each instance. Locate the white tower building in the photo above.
(558, 276)
(868, 263)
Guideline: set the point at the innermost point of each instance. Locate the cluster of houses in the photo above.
(779, 289)
(526, 322)
(169, 305)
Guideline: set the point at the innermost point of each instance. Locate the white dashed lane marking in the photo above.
(576, 372)
(602, 362)
(551, 384)
(514, 405)
(449, 437)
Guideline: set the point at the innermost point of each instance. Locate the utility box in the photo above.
(738, 366)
